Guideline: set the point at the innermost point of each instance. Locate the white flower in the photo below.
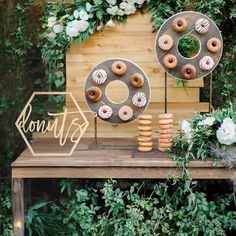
(120, 12)
(207, 121)
(112, 10)
(72, 28)
(110, 23)
(123, 5)
(57, 28)
(226, 134)
(131, 1)
(130, 9)
(76, 14)
(83, 15)
(52, 21)
(88, 6)
(140, 1)
(52, 35)
(186, 128)
(111, 2)
(83, 25)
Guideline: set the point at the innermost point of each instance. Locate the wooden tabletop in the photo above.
(110, 158)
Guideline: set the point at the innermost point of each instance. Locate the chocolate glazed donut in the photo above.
(136, 80)
(188, 72)
(94, 94)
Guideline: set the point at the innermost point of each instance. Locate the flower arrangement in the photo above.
(205, 135)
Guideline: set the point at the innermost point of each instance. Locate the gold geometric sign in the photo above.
(66, 126)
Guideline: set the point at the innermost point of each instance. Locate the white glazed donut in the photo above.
(105, 112)
(139, 99)
(202, 25)
(99, 76)
(206, 63)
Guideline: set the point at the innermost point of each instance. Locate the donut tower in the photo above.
(166, 132)
(145, 133)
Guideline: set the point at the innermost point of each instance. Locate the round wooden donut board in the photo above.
(131, 68)
(191, 18)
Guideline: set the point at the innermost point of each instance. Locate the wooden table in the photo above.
(110, 158)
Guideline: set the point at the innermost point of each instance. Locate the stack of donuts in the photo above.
(166, 131)
(145, 133)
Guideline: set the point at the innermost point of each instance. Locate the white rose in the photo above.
(111, 2)
(140, 1)
(123, 5)
(52, 21)
(52, 35)
(76, 14)
(72, 28)
(130, 9)
(57, 28)
(110, 23)
(83, 25)
(207, 121)
(112, 10)
(226, 134)
(120, 12)
(83, 15)
(88, 6)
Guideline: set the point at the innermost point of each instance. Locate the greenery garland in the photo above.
(76, 22)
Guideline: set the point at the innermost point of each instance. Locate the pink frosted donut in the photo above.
(165, 42)
(125, 113)
(105, 112)
(206, 63)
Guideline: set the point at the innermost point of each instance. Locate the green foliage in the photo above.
(167, 208)
(188, 46)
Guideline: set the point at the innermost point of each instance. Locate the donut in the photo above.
(165, 140)
(125, 113)
(144, 149)
(165, 145)
(139, 99)
(162, 149)
(165, 131)
(165, 136)
(94, 94)
(168, 126)
(145, 122)
(165, 42)
(105, 112)
(206, 63)
(213, 44)
(136, 80)
(144, 139)
(202, 25)
(165, 122)
(144, 128)
(179, 24)
(119, 67)
(99, 76)
(145, 144)
(145, 133)
(170, 61)
(165, 116)
(188, 72)
(145, 117)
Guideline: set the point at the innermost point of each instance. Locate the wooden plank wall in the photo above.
(134, 41)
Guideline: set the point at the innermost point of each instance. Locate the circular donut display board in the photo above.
(195, 24)
(98, 80)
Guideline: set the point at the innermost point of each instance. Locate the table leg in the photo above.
(18, 206)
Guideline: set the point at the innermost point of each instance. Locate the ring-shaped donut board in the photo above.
(167, 29)
(131, 69)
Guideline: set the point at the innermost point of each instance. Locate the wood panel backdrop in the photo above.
(134, 41)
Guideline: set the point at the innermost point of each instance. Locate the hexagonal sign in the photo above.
(48, 127)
